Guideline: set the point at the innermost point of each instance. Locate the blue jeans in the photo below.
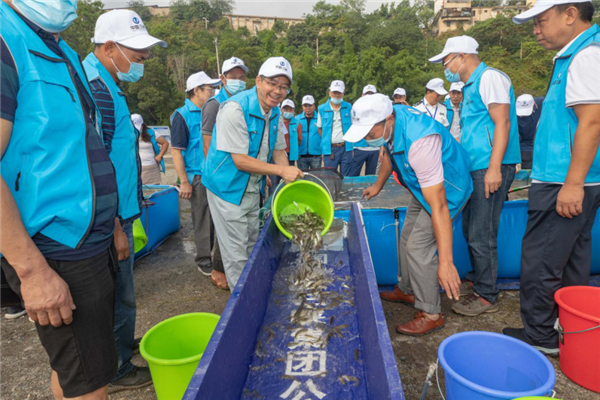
(125, 308)
(306, 163)
(341, 158)
(360, 158)
(481, 218)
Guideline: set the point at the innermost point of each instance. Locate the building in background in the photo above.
(451, 15)
(255, 24)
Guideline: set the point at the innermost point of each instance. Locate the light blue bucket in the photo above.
(486, 366)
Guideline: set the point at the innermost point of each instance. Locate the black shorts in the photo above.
(84, 353)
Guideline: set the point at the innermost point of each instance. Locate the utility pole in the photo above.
(205, 23)
(217, 51)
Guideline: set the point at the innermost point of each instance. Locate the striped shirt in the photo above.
(106, 105)
(101, 233)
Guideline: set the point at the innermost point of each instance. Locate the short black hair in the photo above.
(586, 10)
(190, 93)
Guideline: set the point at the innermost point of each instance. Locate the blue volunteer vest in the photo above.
(477, 127)
(124, 151)
(46, 165)
(326, 113)
(193, 156)
(311, 139)
(293, 132)
(556, 130)
(156, 147)
(412, 125)
(450, 112)
(221, 176)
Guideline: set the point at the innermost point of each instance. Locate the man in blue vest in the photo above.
(453, 106)
(188, 160)
(489, 133)
(122, 45)
(365, 155)
(529, 110)
(294, 132)
(247, 135)
(59, 197)
(233, 78)
(333, 121)
(435, 169)
(310, 144)
(565, 194)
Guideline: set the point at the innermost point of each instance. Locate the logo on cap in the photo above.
(136, 20)
(282, 63)
(234, 61)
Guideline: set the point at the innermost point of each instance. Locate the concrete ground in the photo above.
(168, 284)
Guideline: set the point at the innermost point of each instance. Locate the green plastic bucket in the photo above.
(296, 197)
(173, 349)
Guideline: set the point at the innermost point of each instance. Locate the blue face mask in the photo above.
(379, 141)
(136, 70)
(235, 86)
(288, 115)
(452, 77)
(336, 101)
(51, 15)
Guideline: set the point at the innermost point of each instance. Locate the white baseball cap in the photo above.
(525, 105)
(137, 121)
(232, 63)
(337, 86)
(199, 79)
(308, 99)
(540, 7)
(366, 112)
(458, 44)
(437, 85)
(276, 66)
(126, 28)
(399, 92)
(288, 103)
(457, 86)
(370, 88)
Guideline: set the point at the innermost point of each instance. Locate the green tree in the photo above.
(141, 9)
(81, 31)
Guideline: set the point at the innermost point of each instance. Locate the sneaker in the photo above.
(466, 288)
(519, 333)
(474, 305)
(15, 312)
(205, 269)
(136, 346)
(139, 377)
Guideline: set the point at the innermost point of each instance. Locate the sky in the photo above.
(265, 8)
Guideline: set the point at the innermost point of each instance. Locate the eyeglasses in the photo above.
(445, 65)
(210, 89)
(273, 85)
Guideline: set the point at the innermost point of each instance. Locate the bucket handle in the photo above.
(558, 327)
(305, 174)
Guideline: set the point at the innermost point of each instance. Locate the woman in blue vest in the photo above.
(310, 151)
(435, 169)
(333, 122)
(59, 198)
(152, 150)
(248, 134)
(565, 194)
(490, 134)
(119, 56)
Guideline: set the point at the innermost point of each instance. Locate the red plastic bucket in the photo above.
(579, 334)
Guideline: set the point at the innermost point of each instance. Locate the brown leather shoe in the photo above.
(421, 325)
(398, 296)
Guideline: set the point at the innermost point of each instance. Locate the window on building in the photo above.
(234, 19)
(270, 21)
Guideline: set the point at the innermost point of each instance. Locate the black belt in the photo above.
(309, 156)
(337, 144)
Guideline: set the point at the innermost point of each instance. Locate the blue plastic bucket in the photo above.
(485, 366)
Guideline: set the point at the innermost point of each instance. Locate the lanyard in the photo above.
(429, 112)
